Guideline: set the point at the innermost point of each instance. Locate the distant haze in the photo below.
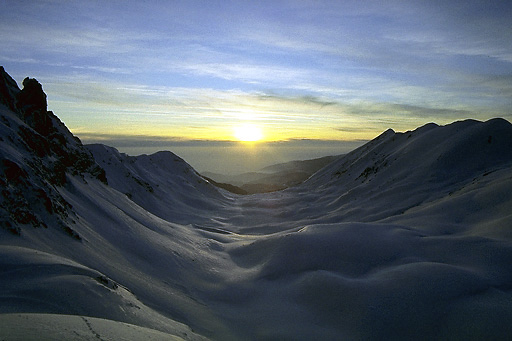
(233, 157)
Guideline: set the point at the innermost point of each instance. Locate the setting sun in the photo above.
(248, 133)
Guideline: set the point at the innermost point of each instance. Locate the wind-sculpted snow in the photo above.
(369, 247)
(407, 237)
(380, 281)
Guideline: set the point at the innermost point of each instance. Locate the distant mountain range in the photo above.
(271, 178)
(407, 237)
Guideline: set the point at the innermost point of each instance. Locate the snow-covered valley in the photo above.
(406, 237)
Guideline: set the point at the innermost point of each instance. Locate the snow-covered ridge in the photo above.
(398, 171)
(162, 183)
(406, 237)
(456, 151)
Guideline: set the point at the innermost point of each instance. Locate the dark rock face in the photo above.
(31, 102)
(49, 138)
(32, 96)
(8, 90)
(37, 155)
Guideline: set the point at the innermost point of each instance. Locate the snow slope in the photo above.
(43, 327)
(397, 172)
(406, 237)
(162, 183)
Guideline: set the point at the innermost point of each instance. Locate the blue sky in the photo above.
(176, 71)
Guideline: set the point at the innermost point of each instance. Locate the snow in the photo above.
(146, 179)
(41, 327)
(406, 237)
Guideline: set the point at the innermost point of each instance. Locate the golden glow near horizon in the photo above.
(332, 82)
(248, 133)
(213, 115)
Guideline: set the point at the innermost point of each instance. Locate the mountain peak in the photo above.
(386, 133)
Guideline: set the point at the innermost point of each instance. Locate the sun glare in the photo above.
(248, 133)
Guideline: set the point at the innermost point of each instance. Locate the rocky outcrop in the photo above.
(37, 155)
(44, 134)
(31, 103)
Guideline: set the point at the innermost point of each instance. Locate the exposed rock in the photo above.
(37, 155)
(8, 90)
(31, 99)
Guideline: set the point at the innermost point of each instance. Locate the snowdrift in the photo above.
(406, 237)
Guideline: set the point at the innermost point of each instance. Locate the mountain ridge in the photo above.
(436, 159)
(48, 153)
(140, 179)
(274, 177)
(406, 237)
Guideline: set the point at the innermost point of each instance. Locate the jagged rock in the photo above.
(45, 154)
(31, 103)
(32, 96)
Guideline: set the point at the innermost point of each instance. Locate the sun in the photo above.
(248, 133)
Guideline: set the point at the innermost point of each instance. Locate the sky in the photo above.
(309, 78)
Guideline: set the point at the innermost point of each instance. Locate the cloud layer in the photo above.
(318, 70)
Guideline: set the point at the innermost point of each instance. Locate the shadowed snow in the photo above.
(406, 237)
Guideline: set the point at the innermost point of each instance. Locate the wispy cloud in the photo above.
(339, 70)
(177, 113)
